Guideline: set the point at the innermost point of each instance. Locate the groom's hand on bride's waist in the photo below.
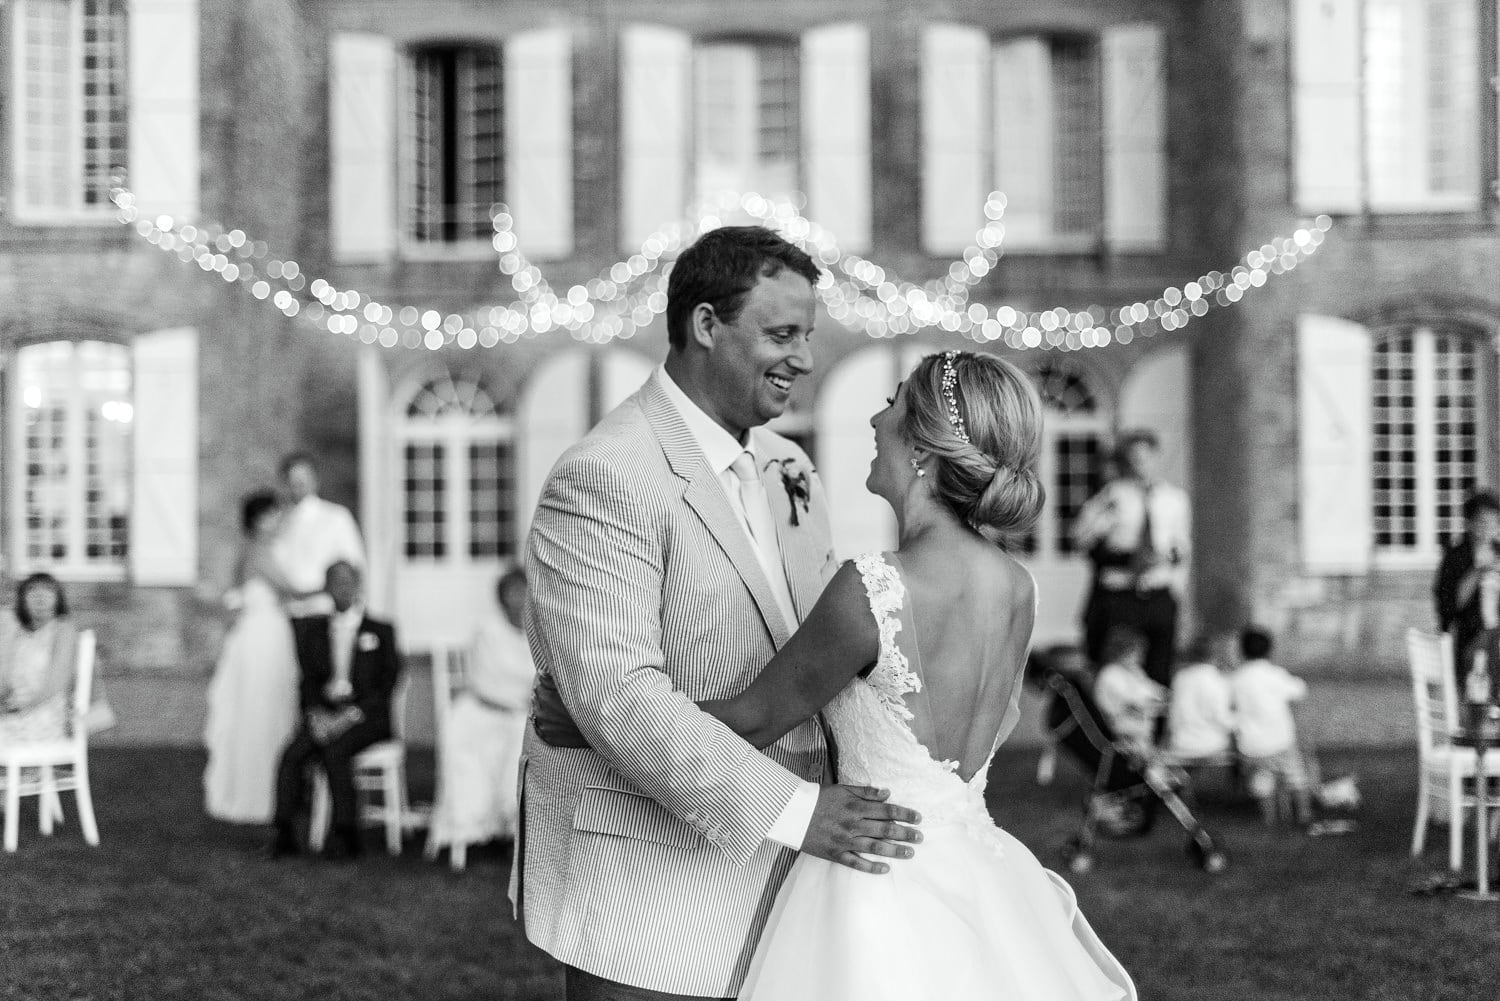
(550, 717)
(851, 822)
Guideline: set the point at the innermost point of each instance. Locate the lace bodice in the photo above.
(871, 724)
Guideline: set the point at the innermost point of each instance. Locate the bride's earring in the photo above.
(918, 467)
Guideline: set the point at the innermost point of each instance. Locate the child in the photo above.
(1201, 720)
(1125, 695)
(1264, 727)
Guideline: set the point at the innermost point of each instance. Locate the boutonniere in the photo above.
(368, 642)
(797, 482)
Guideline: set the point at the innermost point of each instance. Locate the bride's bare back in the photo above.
(966, 627)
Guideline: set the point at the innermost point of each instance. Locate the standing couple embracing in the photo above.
(706, 672)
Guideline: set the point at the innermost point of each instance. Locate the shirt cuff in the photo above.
(791, 827)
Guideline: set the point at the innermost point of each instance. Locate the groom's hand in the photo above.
(850, 822)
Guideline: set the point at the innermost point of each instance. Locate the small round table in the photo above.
(1483, 731)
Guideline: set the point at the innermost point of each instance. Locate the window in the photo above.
(1072, 461)
(1427, 411)
(1387, 105)
(1070, 126)
(69, 117)
(455, 144)
(748, 115)
(458, 475)
(71, 437)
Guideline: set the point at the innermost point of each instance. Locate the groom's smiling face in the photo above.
(755, 360)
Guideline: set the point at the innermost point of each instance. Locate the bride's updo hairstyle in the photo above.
(990, 479)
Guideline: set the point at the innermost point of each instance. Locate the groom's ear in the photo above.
(702, 325)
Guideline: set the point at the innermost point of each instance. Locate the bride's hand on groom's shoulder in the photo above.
(851, 822)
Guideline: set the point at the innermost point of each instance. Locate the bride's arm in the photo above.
(264, 565)
(838, 640)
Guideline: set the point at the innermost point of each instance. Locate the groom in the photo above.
(673, 552)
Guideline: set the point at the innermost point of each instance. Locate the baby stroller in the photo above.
(1127, 788)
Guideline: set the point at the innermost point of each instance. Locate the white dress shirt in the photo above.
(343, 628)
(1201, 716)
(1116, 516)
(721, 450)
(1263, 697)
(315, 535)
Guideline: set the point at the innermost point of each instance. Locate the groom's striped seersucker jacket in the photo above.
(643, 858)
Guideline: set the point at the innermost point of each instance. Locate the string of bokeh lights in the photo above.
(630, 294)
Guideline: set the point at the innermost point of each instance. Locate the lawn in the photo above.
(172, 905)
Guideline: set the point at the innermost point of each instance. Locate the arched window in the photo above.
(1072, 464)
(71, 436)
(1427, 396)
(458, 479)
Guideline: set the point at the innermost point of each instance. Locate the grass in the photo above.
(172, 905)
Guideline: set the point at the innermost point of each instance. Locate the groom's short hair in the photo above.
(721, 267)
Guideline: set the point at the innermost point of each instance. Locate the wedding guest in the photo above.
(1129, 699)
(1265, 729)
(1200, 716)
(350, 665)
(315, 535)
(482, 743)
(1136, 533)
(252, 699)
(38, 648)
(1471, 559)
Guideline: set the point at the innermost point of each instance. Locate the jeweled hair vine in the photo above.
(950, 395)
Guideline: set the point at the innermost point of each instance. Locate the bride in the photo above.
(252, 699)
(917, 655)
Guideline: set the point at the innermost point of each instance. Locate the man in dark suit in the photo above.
(1458, 589)
(349, 669)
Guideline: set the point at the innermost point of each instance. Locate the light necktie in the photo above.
(757, 510)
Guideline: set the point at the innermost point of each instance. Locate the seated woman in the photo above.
(38, 644)
(482, 745)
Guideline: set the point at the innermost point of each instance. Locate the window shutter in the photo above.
(655, 78)
(726, 97)
(852, 392)
(1334, 463)
(163, 121)
(1135, 176)
(553, 414)
(836, 131)
(362, 118)
(1326, 47)
(621, 372)
(539, 140)
(1024, 139)
(164, 514)
(1158, 395)
(955, 127)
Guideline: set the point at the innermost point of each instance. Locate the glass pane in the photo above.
(456, 141)
(1394, 443)
(425, 506)
(104, 146)
(47, 79)
(492, 492)
(78, 415)
(1079, 201)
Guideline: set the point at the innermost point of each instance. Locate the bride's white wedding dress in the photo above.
(252, 709)
(972, 915)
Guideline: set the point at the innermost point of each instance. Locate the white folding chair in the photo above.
(450, 669)
(379, 783)
(43, 768)
(1443, 768)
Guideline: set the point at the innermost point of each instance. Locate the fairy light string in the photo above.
(627, 296)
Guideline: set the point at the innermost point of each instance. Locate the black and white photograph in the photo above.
(749, 500)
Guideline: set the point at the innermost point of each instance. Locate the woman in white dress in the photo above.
(38, 651)
(482, 743)
(252, 699)
(918, 655)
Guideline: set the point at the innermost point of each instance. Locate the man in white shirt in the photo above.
(315, 534)
(1136, 532)
(672, 553)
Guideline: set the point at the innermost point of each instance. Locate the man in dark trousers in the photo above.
(349, 669)
(1136, 532)
(1458, 589)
